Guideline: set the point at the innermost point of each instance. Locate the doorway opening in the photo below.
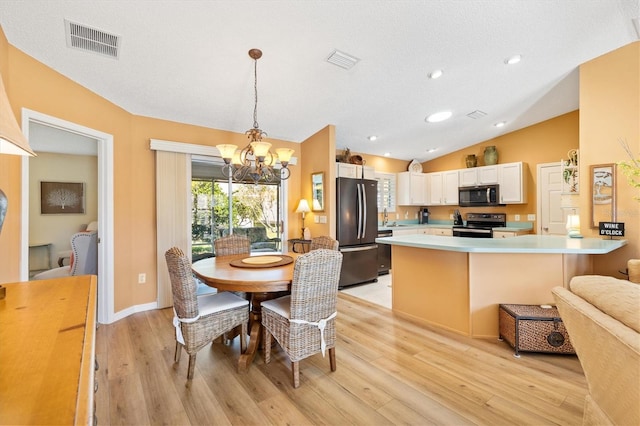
(32, 120)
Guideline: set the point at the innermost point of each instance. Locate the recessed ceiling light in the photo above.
(500, 123)
(435, 74)
(372, 138)
(438, 116)
(387, 154)
(430, 150)
(513, 59)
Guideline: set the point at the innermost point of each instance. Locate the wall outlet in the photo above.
(531, 217)
(397, 215)
(451, 216)
(316, 219)
(517, 218)
(142, 278)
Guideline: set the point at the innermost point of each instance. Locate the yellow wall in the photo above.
(545, 142)
(58, 228)
(317, 152)
(610, 109)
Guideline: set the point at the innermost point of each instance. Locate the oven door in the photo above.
(472, 232)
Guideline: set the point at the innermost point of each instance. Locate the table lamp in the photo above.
(12, 142)
(303, 207)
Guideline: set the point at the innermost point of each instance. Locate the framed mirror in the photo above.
(603, 194)
(317, 191)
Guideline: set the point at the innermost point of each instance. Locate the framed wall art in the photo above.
(603, 193)
(61, 198)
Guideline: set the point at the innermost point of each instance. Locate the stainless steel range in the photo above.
(480, 225)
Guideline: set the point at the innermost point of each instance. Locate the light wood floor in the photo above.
(390, 371)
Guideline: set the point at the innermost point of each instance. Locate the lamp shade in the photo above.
(260, 149)
(226, 150)
(303, 207)
(284, 154)
(12, 141)
(573, 226)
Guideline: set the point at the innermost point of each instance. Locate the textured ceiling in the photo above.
(187, 61)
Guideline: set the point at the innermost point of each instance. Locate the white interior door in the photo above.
(552, 216)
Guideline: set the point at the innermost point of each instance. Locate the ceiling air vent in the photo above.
(476, 114)
(91, 39)
(343, 60)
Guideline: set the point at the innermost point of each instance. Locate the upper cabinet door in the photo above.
(411, 189)
(450, 188)
(513, 183)
(483, 175)
(487, 175)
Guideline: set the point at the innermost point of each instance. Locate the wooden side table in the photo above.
(299, 244)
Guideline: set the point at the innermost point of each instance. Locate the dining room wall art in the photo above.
(603, 193)
(62, 198)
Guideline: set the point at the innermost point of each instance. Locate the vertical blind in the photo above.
(173, 220)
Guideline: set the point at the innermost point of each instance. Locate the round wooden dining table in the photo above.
(261, 283)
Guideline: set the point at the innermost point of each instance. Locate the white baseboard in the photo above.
(134, 310)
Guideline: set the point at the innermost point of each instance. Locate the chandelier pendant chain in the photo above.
(255, 94)
(255, 161)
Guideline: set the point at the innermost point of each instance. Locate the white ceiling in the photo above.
(187, 61)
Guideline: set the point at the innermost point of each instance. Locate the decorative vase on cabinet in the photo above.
(471, 161)
(490, 155)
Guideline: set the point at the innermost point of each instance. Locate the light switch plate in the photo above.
(323, 219)
(531, 217)
(316, 219)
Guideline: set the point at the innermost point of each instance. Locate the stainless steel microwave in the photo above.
(483, 195)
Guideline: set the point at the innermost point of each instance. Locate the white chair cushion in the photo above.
(218, 302)
(281, 305)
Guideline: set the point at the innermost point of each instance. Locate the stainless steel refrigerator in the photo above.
(356, 229)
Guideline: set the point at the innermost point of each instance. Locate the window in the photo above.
(386, 191)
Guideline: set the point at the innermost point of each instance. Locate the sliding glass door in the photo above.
(254, 210)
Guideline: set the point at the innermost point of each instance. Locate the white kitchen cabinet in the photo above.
(367, 172)
(512, 178)
(483, 175)
(411, 189)
(411, 231)
(509, 234)
(434, 189)
(354, 171)
(442, 188)
(447, 232)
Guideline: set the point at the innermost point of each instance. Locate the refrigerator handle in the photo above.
(364, 213)
(359, 217)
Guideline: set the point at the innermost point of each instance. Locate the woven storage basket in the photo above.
(531, 328)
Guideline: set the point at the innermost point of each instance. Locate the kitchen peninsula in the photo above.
(457, 283)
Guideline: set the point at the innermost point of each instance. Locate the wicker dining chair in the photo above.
(323, 242)
(199, 320)
(232, 244)
(303, 323)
